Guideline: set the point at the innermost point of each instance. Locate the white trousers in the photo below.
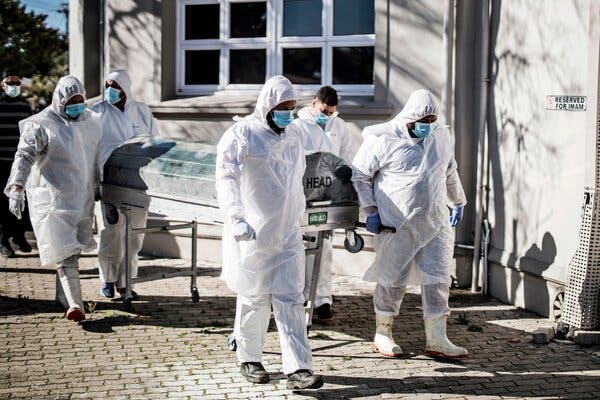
(434, 298)
(111, 253)
(324, 284)
(252, 321)
(68, 285)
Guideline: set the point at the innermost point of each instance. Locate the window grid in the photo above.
(273, 43)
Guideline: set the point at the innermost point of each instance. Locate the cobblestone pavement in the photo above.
(169, 347)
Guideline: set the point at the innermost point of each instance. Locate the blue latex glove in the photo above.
(374, 223)
(456, 215)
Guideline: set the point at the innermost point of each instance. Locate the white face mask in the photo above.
(12, 90)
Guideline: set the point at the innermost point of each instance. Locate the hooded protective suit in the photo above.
(259, 179)
(118, 126)
(56, 162)
(332, 138)
(411, 182)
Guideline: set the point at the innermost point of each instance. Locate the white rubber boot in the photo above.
(71, 288)
(384, 340)
(438, 344)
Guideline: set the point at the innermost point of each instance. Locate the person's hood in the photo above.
(276, 90)
(122, 78)
(67, 87)
(421, 103)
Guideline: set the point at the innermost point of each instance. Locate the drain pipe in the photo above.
(481, 158)
(448, 61)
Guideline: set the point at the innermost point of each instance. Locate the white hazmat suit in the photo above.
(56, 162)
(412, 182)
(118, 126)
(332, 138)
(259, 179)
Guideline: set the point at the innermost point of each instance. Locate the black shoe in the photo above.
(324, 313)
(134, 295)
(22, 245)
(303, 379)
(254, 372)
(6, 251)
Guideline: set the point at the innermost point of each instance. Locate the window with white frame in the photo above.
(237, 44)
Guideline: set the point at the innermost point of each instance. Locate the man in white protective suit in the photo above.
(260, 164)
(406, 177)
(122, 118)
(324, 130)
(56, 166)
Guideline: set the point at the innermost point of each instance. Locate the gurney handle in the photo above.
(382, 228)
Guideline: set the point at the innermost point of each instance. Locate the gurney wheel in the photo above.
(112, 214)
(195, 295)
(358, 246)
(231, 344)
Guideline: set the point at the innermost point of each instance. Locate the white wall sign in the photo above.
(566, 103)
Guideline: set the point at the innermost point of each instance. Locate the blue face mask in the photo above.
(112, 95)
(423, 129)
(283, 118)
(13, 90)
(322, 119)
(74, 110)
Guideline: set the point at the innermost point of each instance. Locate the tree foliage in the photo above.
(27, 45)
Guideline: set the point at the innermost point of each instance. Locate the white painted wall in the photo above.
(537, 157)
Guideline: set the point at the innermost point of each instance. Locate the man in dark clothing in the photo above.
(13, 108)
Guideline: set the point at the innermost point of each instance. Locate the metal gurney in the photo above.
(174, 180)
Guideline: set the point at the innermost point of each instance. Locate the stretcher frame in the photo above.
(175, 208)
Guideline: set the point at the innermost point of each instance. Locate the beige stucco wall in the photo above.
(134, 42)
(537, 157)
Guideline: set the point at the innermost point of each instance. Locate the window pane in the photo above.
(202, 21)
(302, 17)
(302, 66)
(353, 17)
(247, 66)
(202, 67)
(248, 19)
(353, 65)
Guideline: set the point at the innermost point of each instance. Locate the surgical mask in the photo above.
(74, 110)
(423, 129)
(13, 90)
(112, 95)
(283, 118)
(321, 119)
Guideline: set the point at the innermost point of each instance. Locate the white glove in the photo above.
(242, 231)
(16, 202)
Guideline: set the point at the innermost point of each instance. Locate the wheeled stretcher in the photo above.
(174, 181)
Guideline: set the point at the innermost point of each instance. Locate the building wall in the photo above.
(133, 41)
(415, 53)
(536, 157)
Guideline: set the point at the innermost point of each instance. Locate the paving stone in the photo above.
(543, 335)
(169, 347)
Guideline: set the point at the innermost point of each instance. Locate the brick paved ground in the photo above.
(171, 348)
